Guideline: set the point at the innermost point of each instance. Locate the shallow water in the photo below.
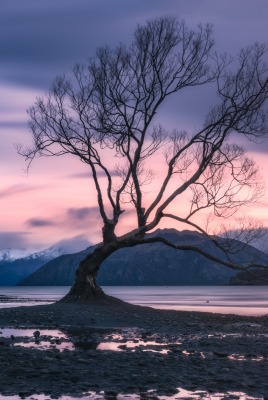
(182, 394)
(55, 339)
(125, 340)
(243, 300)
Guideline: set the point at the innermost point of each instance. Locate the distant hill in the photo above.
(149, 264)
(12, 271)
(255, 277)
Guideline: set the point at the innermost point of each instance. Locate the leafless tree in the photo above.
(109, 107)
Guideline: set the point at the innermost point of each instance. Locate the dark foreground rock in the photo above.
(157, 349)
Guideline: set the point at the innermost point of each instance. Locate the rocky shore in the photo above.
(114, 347)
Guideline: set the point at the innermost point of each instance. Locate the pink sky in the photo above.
(52, 201)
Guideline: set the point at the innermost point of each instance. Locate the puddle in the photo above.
(186, 394)
(234, 357)
(239, 357)
(45, 339)
(42, 339)
(125, 340)
(150, 394)
(200, 354)
(7, 332)
(43, 345)
(136, 345)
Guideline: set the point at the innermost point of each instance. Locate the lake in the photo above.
(241, 300)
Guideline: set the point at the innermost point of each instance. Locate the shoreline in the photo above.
(156, 349)
(182, 298)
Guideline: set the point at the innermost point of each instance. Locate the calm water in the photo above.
(243, 300)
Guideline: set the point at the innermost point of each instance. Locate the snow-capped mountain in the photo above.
(47, 254)
(15, 265)
(13, 254)
(66, 246)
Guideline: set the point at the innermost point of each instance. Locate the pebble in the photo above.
(206, 367)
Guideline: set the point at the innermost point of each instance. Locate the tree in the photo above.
(109, 107)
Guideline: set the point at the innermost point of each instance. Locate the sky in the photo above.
(55, 200)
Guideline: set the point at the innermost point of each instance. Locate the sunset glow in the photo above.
(56, 198)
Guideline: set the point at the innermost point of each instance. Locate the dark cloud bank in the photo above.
(13, 240)
(39, 40)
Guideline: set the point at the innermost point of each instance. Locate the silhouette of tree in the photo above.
(109, 108)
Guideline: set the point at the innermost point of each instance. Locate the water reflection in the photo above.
(81, 339)
(150, 394)
(7, 332)
(141, 345)
(46, 345)
(240, 357)
(128, 340)
(44, 339)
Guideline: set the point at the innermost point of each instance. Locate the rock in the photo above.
(36, 334)
(44, 371)
(220, 353)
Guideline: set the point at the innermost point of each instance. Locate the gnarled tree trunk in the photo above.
(85, 287)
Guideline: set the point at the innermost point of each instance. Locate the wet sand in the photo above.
(116, 347)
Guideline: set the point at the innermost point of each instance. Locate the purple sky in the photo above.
(39, 40)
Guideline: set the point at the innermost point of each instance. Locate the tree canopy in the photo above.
(110, 106)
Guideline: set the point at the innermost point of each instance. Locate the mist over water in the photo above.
(242, 300)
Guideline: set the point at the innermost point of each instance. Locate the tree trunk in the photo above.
(85, 288)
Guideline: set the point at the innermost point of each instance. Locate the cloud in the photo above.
(83, 213)
(254, 145)
(19, 240)
(74, 244)
(86, 175)
(79, 175)
(39, 222)
(12, 125)
(74, 219)
(16, 189)
(13, 240)
(260, 146)
(85, 220)
(33, 53)
(75, 30)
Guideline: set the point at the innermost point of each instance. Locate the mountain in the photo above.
(149, 264)
(57, 272)
(12, 271)
(8, 255)
(14, 268)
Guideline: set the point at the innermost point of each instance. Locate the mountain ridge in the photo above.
(149, 264)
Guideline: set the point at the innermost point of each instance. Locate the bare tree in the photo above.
(110, 105)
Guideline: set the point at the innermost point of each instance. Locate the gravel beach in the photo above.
(115, 347)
